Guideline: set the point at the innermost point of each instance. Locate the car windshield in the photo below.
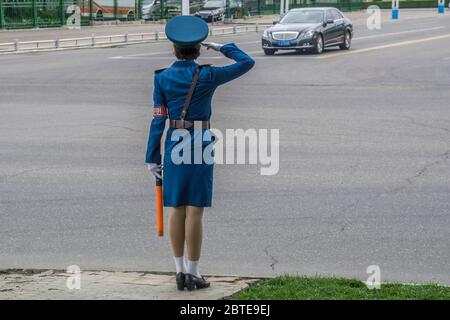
(213, 4)
(304, 16)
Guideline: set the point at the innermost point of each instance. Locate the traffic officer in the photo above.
(183, 93)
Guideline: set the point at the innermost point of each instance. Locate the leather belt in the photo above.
(185, 124)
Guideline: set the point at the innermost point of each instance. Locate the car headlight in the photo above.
(266, 33)
(308, 34)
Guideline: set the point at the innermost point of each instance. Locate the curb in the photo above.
(257, 29)
(49, 284)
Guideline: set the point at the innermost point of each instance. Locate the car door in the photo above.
(329, 31)
(339, 22)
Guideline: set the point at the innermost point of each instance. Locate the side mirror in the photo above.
(275, 22)
(330, 21)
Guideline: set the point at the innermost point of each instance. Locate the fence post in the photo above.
(91, 8)
(2, 24)
(57, 43)
(441, 6)
(34, 4)
(395, 9)
(115, 9)
(62, 11)
(93, 40)
(138, 15)
(16, 45)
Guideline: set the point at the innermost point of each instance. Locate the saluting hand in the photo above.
(212, 45)
(155, 169)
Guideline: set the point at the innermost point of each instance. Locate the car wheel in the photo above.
(347, 41)
(99, 15)
(318, 47)
(269, 52)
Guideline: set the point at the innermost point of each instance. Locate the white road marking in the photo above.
(150, 54)
(141, 54)
(248, 42)
(218, 57)
(253, 52)
(424, 23)
(385, 46)
(396, 33)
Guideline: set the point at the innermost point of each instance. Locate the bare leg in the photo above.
(194, 232)
(194, 236)
(177, 217)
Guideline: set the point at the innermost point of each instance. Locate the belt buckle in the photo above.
(187, 124)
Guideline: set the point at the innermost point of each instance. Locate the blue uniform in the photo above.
(188, 184)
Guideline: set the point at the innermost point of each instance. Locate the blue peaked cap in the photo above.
(186, 31)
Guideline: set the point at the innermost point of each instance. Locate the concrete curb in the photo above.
(47, 284)
(93, 43)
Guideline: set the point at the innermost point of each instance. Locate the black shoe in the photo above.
(180, 278)
(193, 281)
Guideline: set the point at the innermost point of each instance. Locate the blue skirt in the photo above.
(188, 178)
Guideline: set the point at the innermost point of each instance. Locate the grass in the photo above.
(322, 288)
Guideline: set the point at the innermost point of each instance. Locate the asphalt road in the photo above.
(364, 160)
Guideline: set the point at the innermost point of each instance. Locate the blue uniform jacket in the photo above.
(170, 90)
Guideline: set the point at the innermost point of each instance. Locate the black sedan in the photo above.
(214, 10)
(309, 29)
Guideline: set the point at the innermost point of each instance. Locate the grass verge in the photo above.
(324, 288)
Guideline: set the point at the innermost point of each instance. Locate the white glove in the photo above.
(212, 45)
(155, 169)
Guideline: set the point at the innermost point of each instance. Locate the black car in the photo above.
(215, 10)
(309, 29)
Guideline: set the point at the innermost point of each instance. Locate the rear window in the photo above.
(336, 15)
(304, 16)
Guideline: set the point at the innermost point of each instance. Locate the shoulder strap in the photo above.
(159, 70)
(190, 93)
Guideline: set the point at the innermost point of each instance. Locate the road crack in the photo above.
(424, 125)
(274, 261)
(21, 173)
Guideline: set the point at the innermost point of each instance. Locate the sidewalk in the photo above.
(357, 17)
(86, 31)
(107, 285)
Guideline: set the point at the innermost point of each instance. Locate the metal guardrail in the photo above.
(127, 38)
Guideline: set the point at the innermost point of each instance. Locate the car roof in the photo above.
(312, 8)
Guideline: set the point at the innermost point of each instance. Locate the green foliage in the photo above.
(323, 288)
(409, 4)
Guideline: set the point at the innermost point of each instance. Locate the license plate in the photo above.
(283, 43)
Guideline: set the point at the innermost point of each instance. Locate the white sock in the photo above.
(192, 268)
(180, 265)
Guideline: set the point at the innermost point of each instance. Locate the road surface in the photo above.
(364, 173)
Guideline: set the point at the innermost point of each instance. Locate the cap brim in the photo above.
(186, 31)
